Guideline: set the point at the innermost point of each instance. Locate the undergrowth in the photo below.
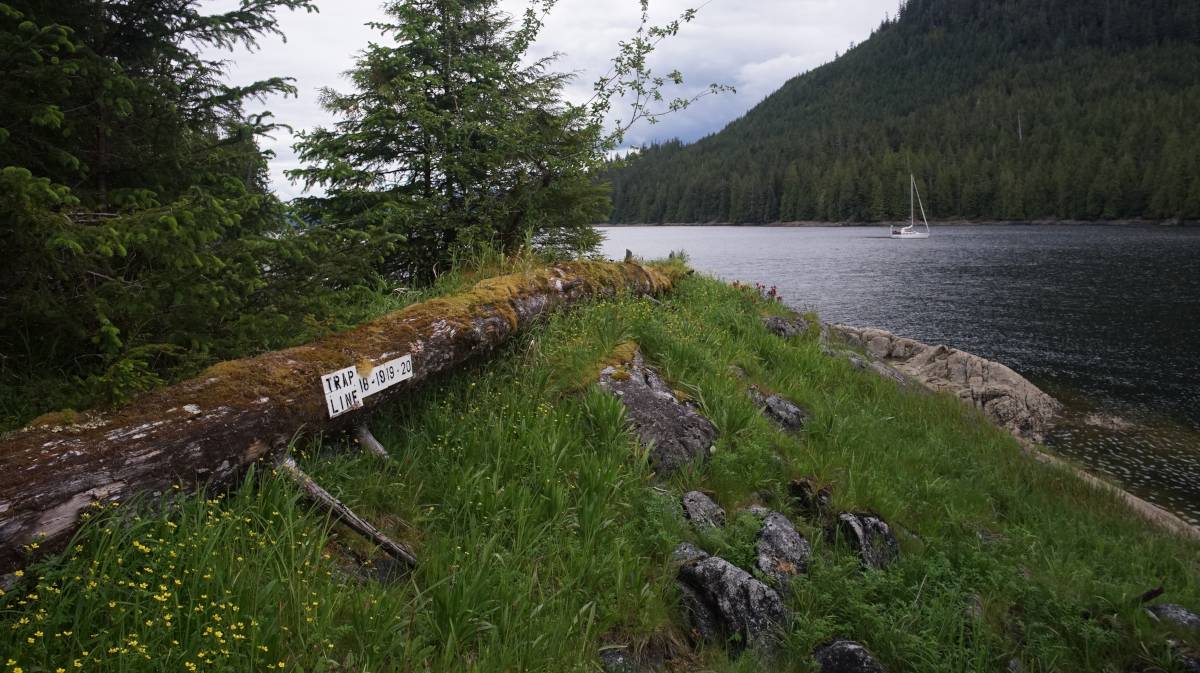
(543, 536)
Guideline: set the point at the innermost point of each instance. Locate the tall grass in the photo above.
(543, 536)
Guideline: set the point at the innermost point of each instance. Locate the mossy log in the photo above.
(211, 428)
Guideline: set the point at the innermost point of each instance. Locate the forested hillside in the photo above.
(1022, 109)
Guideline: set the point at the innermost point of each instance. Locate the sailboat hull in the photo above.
(913, 234)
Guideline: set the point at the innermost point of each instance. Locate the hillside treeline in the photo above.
(1069, 109)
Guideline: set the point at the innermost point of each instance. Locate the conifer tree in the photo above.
(134, 214)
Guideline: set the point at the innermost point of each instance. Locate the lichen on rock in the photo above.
(1002, 394)
(846, 656)
(675, 432)
(783, 552)
(789, 415)
(724, 602)
(869, 536)
(702, 511)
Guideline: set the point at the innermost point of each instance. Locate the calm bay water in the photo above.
(1106, 318)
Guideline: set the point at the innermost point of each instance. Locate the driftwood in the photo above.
(323, 499)
(362, 435)
(211, 428)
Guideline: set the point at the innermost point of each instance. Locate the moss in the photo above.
(623, 354)
(57, 419)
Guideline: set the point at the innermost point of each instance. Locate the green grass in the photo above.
(543, 536)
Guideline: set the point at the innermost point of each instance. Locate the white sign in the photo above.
(345, 390)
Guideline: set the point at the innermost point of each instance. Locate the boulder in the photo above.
(758, 511)
(789, 415)
(687, 552)
(675, 432)
(846, 656)
(783, 553)
(617, 660)
(723, 601)
(702, 511)
(1175, 615)
(1003, 395)
(809, 499)
(786, 327)
(869, 536)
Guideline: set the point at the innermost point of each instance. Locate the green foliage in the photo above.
(1021, 110)
(450, 141)
(140, 239)
(543, 537)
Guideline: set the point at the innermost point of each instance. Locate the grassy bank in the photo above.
(544, 537)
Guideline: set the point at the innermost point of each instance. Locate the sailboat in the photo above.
(914, 200)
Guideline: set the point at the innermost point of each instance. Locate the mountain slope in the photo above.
(1015, 109)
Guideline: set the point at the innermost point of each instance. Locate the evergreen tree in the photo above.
(448, 141)
(138, 232)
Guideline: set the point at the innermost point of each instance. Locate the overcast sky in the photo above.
(754, 45)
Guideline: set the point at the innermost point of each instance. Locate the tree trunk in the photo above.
(211, 428)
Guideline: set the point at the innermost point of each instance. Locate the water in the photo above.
(1106, 318)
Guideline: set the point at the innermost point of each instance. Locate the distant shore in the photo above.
(934, 223)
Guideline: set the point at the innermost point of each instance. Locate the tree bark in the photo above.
(211, 428)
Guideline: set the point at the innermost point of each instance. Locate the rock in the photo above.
(1175, 615)
(973, 610)
(1108, 422)
(758, 511)
(1002, 394)
(617, 660)
(675, 432)
(868, 364)
(702, 511)
(869, 536)
(724, 601)
(765, 495)
(846, 656)
(687, 552)
(786, 327)
(1188, 659)
(783, 553)
(703, 619)
(783, 411)
(809, 499)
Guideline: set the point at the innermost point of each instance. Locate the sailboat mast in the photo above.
(912, 204)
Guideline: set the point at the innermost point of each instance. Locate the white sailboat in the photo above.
(914, 200)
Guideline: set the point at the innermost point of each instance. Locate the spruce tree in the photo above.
(449, 141)
(134, 213)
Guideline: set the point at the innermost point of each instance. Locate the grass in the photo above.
(544, 537)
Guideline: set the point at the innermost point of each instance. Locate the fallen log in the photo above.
(211, 428)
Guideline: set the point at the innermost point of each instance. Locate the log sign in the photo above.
(345, 389)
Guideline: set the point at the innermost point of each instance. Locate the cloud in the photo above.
(753, 46)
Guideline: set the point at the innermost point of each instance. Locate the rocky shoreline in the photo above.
(1003, 395)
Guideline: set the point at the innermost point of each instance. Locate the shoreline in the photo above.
(1007, 398)
(950, 222)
